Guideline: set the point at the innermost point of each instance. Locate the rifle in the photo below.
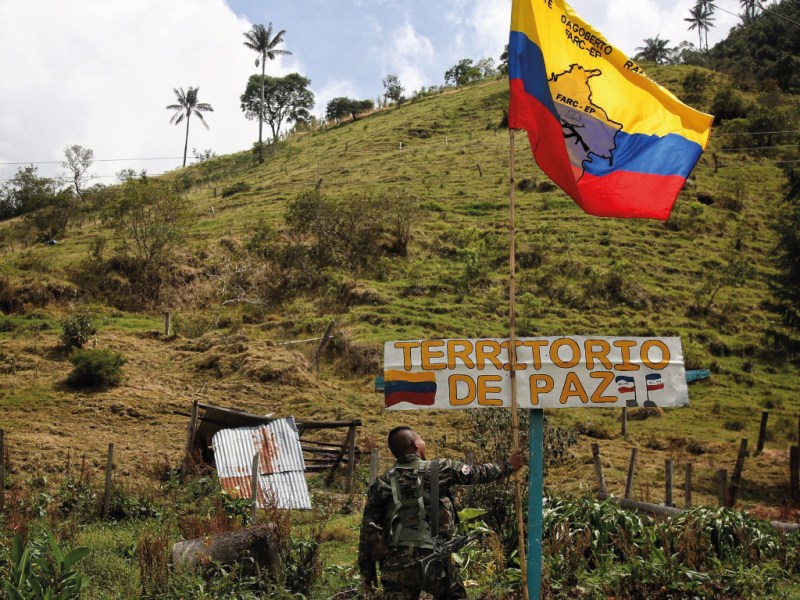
(446, 548)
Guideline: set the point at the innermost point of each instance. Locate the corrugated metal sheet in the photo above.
(281, 468)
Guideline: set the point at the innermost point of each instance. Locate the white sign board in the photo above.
(551, 372)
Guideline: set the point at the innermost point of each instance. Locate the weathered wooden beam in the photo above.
(736, 477)
(762, 432)
(631, 473)
(598, 469)
(662, 511)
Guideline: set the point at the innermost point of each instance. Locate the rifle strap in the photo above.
(434, 474)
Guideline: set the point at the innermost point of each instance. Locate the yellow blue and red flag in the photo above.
(618, 143)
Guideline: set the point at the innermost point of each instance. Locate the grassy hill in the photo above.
(705, 275)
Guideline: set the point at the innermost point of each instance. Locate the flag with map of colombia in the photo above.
(411, 388)
(618, 143)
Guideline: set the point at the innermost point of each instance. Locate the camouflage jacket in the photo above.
(451, 473)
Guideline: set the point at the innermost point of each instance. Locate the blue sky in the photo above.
(100, 74)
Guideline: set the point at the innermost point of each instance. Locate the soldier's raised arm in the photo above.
(465, 474)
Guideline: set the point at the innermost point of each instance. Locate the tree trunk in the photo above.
(261, 543)
(261, 108)
(186, 143)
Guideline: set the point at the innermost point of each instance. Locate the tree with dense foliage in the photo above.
(341, 107)
(392, 89)
(787, 337)
(150, 220)
(260, 40)
(750, 9)
(765, 52)
(78, 160)
(186, 107)
(26, 192)
(503, 66)
(486, 67)
(654, 50)
(462, 73)
(288, 100)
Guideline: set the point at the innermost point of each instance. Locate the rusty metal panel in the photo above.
(280, 463)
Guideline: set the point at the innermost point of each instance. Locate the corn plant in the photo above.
(34, 574)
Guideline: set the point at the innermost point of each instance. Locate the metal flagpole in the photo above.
(512, 358)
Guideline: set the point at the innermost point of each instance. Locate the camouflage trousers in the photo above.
(404, 579)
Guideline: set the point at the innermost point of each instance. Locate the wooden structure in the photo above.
(319, 455)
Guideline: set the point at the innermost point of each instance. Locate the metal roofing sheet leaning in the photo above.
(281, 467)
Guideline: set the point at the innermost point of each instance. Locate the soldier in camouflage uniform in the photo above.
(395, 528)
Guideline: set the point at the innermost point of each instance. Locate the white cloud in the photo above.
(333, 89)
(406, 55)
(101, 74)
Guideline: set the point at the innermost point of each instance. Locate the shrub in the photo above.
(95, 368)
(77, 328)
(236, 188)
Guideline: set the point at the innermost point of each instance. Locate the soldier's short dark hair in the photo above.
(398, 443)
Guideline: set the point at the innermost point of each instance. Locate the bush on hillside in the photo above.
(729, 103)
(95, 368)
(77, 328)
(236, 188)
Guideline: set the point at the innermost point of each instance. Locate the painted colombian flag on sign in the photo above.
(618, 143)
(413, 388)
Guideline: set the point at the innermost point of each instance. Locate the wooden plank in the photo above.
(109, 469)
(722, 486)
(191, 430)
(762, 432)
(624, 421)
(351, 457)
(668, 511)
(535, 502)
(339, 456)
(631, 473)
(687, 487)
(254, 484)
(736, 477)
(668, 466)
(598, 469)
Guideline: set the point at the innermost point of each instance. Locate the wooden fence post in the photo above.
(687, 489)
(631, 472)
(2, 470)
(167, 323)
(736, 477)
(109, 469)
(762, 432)
(598, 469)
(794, 472)
(351, 456)
(668, 465)
(373, 465)
(624, 422)
(188, 457)
(722, 486)
(254, 486)
(325, 337)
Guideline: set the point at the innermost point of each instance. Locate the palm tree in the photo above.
(696, 22)
(750, 8)
(655, 50)
(259, 39)
(708, 8)
(186, 107)
(701, 18)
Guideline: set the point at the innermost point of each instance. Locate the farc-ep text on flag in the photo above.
(618, 143)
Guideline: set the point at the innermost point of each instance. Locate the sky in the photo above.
(100, 74)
